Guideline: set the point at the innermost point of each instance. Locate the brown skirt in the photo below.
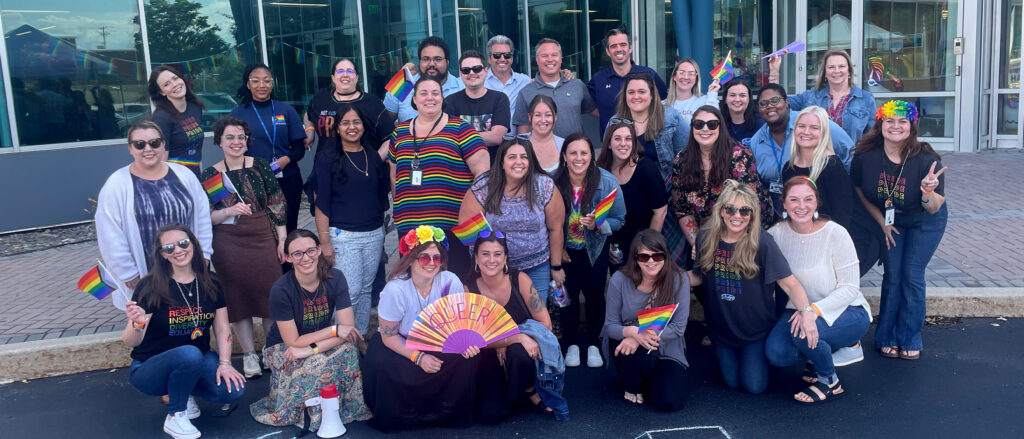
(245, 258)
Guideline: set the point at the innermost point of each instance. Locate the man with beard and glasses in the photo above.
(434, 56)
(605, 85)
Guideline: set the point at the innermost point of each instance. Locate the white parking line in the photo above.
(701, 427)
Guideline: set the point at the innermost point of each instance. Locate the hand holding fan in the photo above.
(457, 321)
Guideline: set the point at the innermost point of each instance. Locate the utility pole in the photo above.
(103, 34)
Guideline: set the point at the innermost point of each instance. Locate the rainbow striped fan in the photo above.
(457, 321)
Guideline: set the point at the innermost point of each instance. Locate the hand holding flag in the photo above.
(468, 230)
(603, 207)
(724, 71)
(97, 282)
(655, 319)
(400, 85)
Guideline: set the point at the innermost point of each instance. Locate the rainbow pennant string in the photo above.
(897, 108)
(400, 85)
(603, 207)
(724, 70)
(97, 283)
(655, 319)
(218, 188)
(468, 230)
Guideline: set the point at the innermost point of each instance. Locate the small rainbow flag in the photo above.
(724, 70)
(218, 187)
(400, 85)
(655, 319)
(97, 282)
(794, 47)
(279, 118)
(468, 230)
(603, 207)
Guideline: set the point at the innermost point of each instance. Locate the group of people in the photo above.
(768, 210)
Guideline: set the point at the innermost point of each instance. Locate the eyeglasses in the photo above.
(698, 124)
(434, 59)
(488, 233)
(646, 257)
(351, 123)
(265, 81)
(232, 138)
(772, 101)
(311, 252)
(685, 74)
(345, 71)
(424, 259)
(744, 211)
(169, 248)
(616, 119)
(474, 69)
(500, 55)
(141, 144)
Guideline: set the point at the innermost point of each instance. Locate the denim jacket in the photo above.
(550, 368)
(670, 141)
(595, 239)
(858, 117)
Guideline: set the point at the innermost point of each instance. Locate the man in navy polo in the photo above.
(604, 86)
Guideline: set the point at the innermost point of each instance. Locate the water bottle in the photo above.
(558, 295)
(614, 255)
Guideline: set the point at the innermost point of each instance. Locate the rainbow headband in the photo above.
(897, 108)
(421, 235)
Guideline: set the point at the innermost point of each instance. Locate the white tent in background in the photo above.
(838, 26)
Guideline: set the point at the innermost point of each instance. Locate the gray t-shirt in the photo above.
(571, 97)
(399, 301)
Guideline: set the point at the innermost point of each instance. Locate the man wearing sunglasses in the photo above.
(771, 143)
(604, 86)
(434, 56)
(500, 76)
(570, 95)
(487, 110)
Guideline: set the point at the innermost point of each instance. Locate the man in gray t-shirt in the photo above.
(570, 96)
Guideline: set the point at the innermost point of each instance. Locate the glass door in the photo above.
(1001, 127)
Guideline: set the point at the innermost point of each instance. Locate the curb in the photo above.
(64, 356)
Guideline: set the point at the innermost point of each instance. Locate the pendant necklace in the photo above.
(196, 332)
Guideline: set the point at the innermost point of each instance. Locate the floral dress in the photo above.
(700, 202)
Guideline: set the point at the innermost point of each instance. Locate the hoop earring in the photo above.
(505, 270)
(815, 214)
(785, 215)
(476, 268)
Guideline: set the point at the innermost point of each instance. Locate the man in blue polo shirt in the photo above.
(434, 57)
(604, 86)
(500, 76)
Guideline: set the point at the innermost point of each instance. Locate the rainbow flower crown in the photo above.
(421, 235)
(897, 108)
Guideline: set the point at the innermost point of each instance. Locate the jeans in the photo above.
(357, 255)
(902, 308)
(541, 277)
(181, 372)
(746, 365)
(784, 349)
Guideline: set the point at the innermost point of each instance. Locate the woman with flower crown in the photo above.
(406, 388)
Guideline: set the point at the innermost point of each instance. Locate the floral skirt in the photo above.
(293, 382)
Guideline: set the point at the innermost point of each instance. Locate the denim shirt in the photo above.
(616, 215)
(550, 368)
(670, 141)
(858, 116)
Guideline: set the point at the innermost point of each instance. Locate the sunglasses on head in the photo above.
(500, 55)
(488, 233)
(520, 136)
(474, 69)
(744, 211)
(647, 257)
(169, 248)
(616, 119)
(311, 252)
(424, 259)
(770, 101)
(141, 144)
(698, 124)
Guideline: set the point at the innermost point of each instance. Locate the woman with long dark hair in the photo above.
(178, 114)
(659, 128)
(322, 113)
(738, 104)
(170, 316)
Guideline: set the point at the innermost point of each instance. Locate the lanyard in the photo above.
(778, 157)
(272, 138)
(895, 183)
(416, 144)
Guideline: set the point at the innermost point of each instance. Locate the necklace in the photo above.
(338, 95)
(366, 161)
(196, 332)
(305, 292)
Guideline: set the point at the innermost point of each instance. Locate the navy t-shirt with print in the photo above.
(176, 324)
(310, 310)
(183, 136)
(878, 177)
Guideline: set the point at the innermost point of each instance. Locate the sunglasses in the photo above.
(520, 136)
(500, 55)
(141, 144)
(698, 124)
(311, 252)
(616, 119)
(424, 259)
(771, 101)
(488, 233)
(474, 69)
(647, 257)
(744, 211)
(344, 71)
(169, 248)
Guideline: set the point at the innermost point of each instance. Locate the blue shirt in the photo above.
(772, 157)
(404, 107)
(604, 86)
(274, 126)
(858, 116)
(511, 89)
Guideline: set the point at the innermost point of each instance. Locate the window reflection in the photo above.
(398, 28)
(935, 114)
(828, 28)
(1009, 50)
(741, 28)
(5, 128)
(442, 16)
(563, 21)
(479, 20)
(908, 46)
(606, 15)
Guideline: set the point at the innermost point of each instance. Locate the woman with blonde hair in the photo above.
(684, 95)
(740, 266)
(812, 156)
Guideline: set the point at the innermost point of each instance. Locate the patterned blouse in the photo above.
(258, 187)
(699, 202)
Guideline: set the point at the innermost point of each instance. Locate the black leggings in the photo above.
(583, 277)
(291, 187)
(661, 381)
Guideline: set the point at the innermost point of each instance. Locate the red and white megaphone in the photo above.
(330, 419)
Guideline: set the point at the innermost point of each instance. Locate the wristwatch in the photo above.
(808, 309)
(315, 349)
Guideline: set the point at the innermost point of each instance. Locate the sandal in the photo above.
(635, 398)
(905, 356)
(539, 406)
(890, 352)
(810, 376)
(820, 392)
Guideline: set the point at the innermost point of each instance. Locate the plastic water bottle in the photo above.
(558, 295)
(614, 255)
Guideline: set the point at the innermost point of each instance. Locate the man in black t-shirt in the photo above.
(487, 110)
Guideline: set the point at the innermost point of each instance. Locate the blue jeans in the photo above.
(181, 372)
(746, 365)
(541, 277)
(902, 308)
(356, 255)
(784, 349)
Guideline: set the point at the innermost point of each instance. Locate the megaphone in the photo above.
(330, 419)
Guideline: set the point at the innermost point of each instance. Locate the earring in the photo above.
(815, 214)
(476, 268)
(505, 270)
(785, 215)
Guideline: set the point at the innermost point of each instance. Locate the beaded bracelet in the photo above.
(415, 357)
(334, 331)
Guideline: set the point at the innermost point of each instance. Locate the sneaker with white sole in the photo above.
(266, 363)
(191, 408)
(251, 365)
(572, 356)
(846, 356)
(179, 427)
(594, 357)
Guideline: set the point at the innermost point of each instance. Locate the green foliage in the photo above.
(178, 32)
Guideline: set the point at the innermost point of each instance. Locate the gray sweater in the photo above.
(624, 300)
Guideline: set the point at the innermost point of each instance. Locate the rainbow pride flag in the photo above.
(400, 85)
(656, 319)
(603, 207)
(97, 282)
(219, 188)
(724, 70)
(468, 230)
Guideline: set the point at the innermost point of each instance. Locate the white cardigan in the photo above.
(118, 233)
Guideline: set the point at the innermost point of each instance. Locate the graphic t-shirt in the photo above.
(310, 310)
(482, 113)
(186, 320)
(742, 311)
(377, 123)
(878, 177)
(183, 135)
(575, 238)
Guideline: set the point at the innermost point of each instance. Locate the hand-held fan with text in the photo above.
(457, 321)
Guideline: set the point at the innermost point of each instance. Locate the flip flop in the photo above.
(904, 356)
(893, 352)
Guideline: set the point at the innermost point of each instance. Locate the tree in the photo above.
(178, 32)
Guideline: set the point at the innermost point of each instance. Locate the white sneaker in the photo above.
(251, 365)
(594, 357)
(572, 356)
(266, 363)
(179, 427)
(846, 356)
(191, 408)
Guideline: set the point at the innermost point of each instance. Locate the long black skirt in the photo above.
(403, 396)
(500, 387)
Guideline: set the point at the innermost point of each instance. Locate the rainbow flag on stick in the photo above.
(656, 319)
(794, 47)
(97, 282)
(219, 187)
(468, 230)
(400, 85)
(724, 70)
(603, 207)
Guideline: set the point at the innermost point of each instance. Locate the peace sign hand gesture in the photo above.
(931, 180)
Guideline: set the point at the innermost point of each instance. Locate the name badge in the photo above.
(890, 213)
(417, 177)
(775, 187)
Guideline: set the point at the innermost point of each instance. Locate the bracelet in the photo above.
(310, 128)
(334, 331)
(224, 362)
(325, 233)
(138, 325)
(926, 192)
(556, 267)
(415, 357)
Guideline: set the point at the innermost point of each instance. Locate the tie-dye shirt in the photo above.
(575, 238)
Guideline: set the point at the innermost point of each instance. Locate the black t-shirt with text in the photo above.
(310, 310)
(177, 324)
(377, 123)
(877, 177)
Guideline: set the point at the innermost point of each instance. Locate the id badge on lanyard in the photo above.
(890, 213)
(775, 186)
(417, 173)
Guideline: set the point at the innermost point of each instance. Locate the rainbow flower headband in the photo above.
(421, 235)
(897, 108)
